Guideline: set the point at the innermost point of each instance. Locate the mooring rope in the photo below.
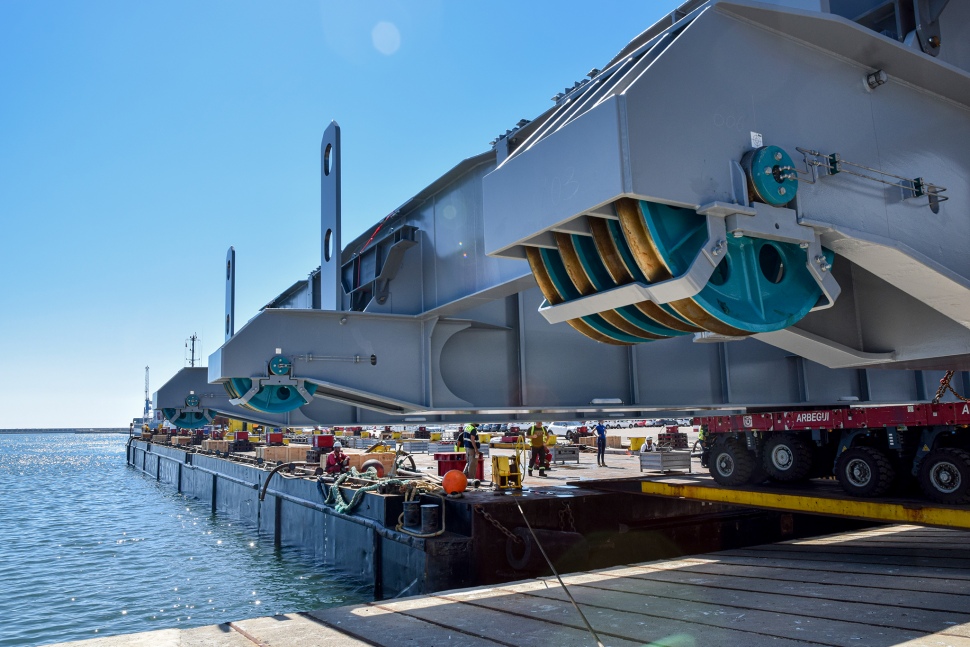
(542, 550)
(413, 490)
(333, 496)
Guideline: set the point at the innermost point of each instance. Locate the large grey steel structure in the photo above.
(753, 205)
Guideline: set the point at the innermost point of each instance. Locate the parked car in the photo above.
(563, 428)
(619, 424)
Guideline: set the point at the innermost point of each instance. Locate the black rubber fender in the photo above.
(567, 550)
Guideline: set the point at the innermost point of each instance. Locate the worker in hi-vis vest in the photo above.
(538, 458)
(471, 449)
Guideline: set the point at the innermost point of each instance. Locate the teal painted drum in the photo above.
(187, 419)
(601, 280)
(760, 285)
(771, 175)
(564, 286)
(280, 365)
(274, 398)
(192, 401)
(630, 263)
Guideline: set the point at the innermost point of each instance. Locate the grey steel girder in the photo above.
(669, 124)
(437, 315)
(501, 360)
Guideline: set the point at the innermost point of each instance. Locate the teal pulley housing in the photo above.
(188, 419)
(758, 285)
(270, 398)
(279, 393)
(280, 365)
(771, 175)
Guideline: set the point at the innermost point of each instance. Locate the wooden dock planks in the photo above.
(893, 585)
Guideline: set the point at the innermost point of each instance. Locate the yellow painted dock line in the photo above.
(929, 514)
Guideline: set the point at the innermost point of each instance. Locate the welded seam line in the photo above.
(795, 558)
(589, 627)
(578, 627)
(786, 554)
(691, 569)
(862, 551)
(411, 614)
(341, 630)
(778, 611)
(780, 636)
(646, 573)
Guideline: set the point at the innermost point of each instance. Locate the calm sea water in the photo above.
(90, 547)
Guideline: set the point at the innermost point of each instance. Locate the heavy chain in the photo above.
(566, 520)
(945, 386)
(498, 524)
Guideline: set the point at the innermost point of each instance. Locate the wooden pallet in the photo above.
(283, 453)
(216, 445)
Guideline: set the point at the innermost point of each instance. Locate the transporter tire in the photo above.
(865, 472)
(730, 462)
(787, 458)
(944, 475)
(758, 475)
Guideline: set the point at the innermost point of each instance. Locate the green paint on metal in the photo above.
(631, 264)
(564, 286)
(624, 249)
(772, 175)
(280, 365)
(600, 277)
(271, 398)
(759, 286)
(187, 419)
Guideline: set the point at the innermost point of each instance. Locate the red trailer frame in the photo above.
(870, 449)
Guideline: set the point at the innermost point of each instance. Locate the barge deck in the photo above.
(484, 538)
(894, 585)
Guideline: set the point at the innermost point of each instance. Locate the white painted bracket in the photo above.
(297, 384)
(686, 285)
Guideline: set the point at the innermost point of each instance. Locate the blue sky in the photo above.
(139, 140)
